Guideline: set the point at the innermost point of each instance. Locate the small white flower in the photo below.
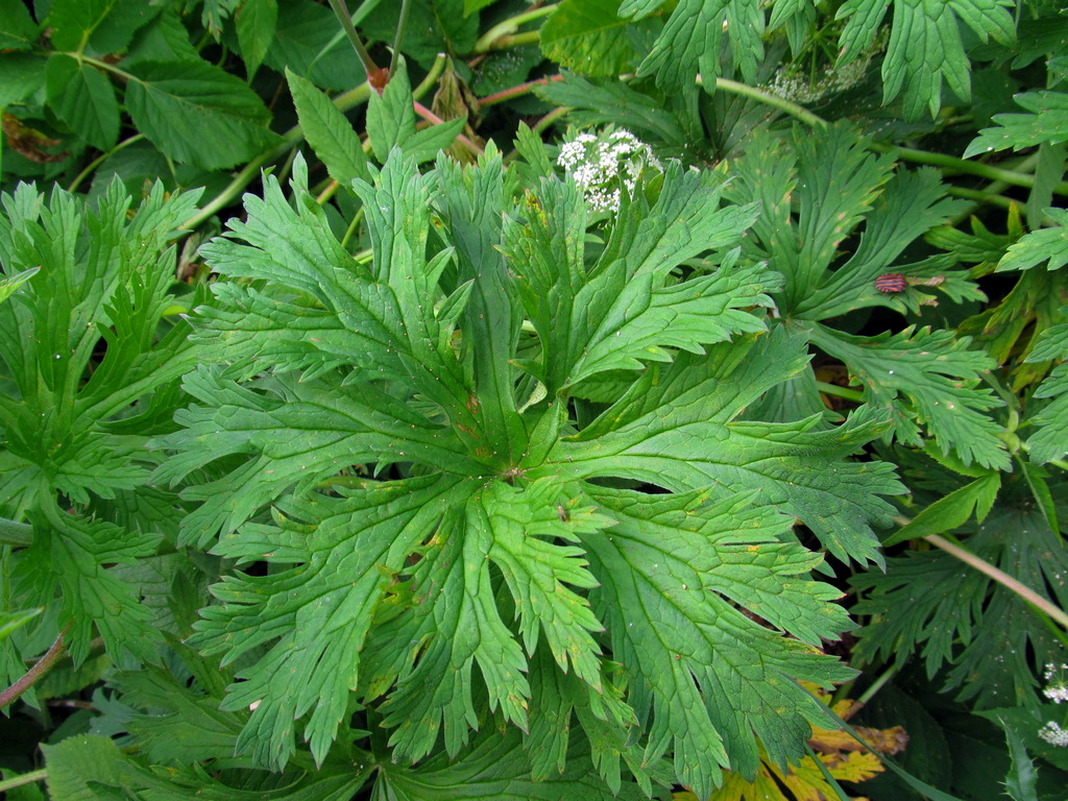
(1057, 689)
(1053, 734)
(605, 166)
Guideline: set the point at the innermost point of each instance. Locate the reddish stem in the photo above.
(44, 664)
(516, 91)
(431, 117)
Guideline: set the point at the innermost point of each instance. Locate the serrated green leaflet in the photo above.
(438, 527)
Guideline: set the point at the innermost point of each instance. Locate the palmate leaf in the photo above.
(925, 378)
(1046, 121)
(836, 187)
(74, 424)
(484, 549)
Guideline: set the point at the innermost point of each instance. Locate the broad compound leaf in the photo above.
(255, 21)
(18, 31)
(707, 674)
(676, 428)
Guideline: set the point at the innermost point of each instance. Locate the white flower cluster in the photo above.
(1053, 734)
(789, 83)
(1056, 691)
(606, 165)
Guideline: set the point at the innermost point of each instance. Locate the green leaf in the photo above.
(84, 99)
(10, 284)
(494, 767)
(12, 621)
(990, 640)
(433, 519)
(255, 22)
(18, 31)
(330, 135)
(307, 41)
(705, 670)
(952, 511)
(1021, 784)
(194, 112)
(77, 766)
(1045, 122)
(588, 36)
(693, 39)
(1049, 441)
(925, 47)
(925, 378)
(1047, 246)
(659, 430)
(625, 309)
(391, 123)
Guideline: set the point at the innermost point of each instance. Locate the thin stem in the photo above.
(25, 778)
(100, 160)
(430, 116)
(794, 110)
(952, 164)
(431, 78)
(980, 196)
(550, 118)
(517, 91)
(1007, 581)
(343, 16)
(840, 392)
(402, 21)
(489, 40)
(248, 173)
(34, 674)
(869, 693)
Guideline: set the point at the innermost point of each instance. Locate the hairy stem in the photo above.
(517, 91)
(1004, 579)
(34, 674)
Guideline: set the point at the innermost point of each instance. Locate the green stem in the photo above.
(343, 16)
(840, 392)
(402, 22)
(248, 173)
(100, 160)
(952, 165)
(25, 778)
(869, 693)
(517, 40)
(490, 39)
(431, 78)
(1004, 579)
(980, 196)
(13, 533)
(34, 674)
(794, 110)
